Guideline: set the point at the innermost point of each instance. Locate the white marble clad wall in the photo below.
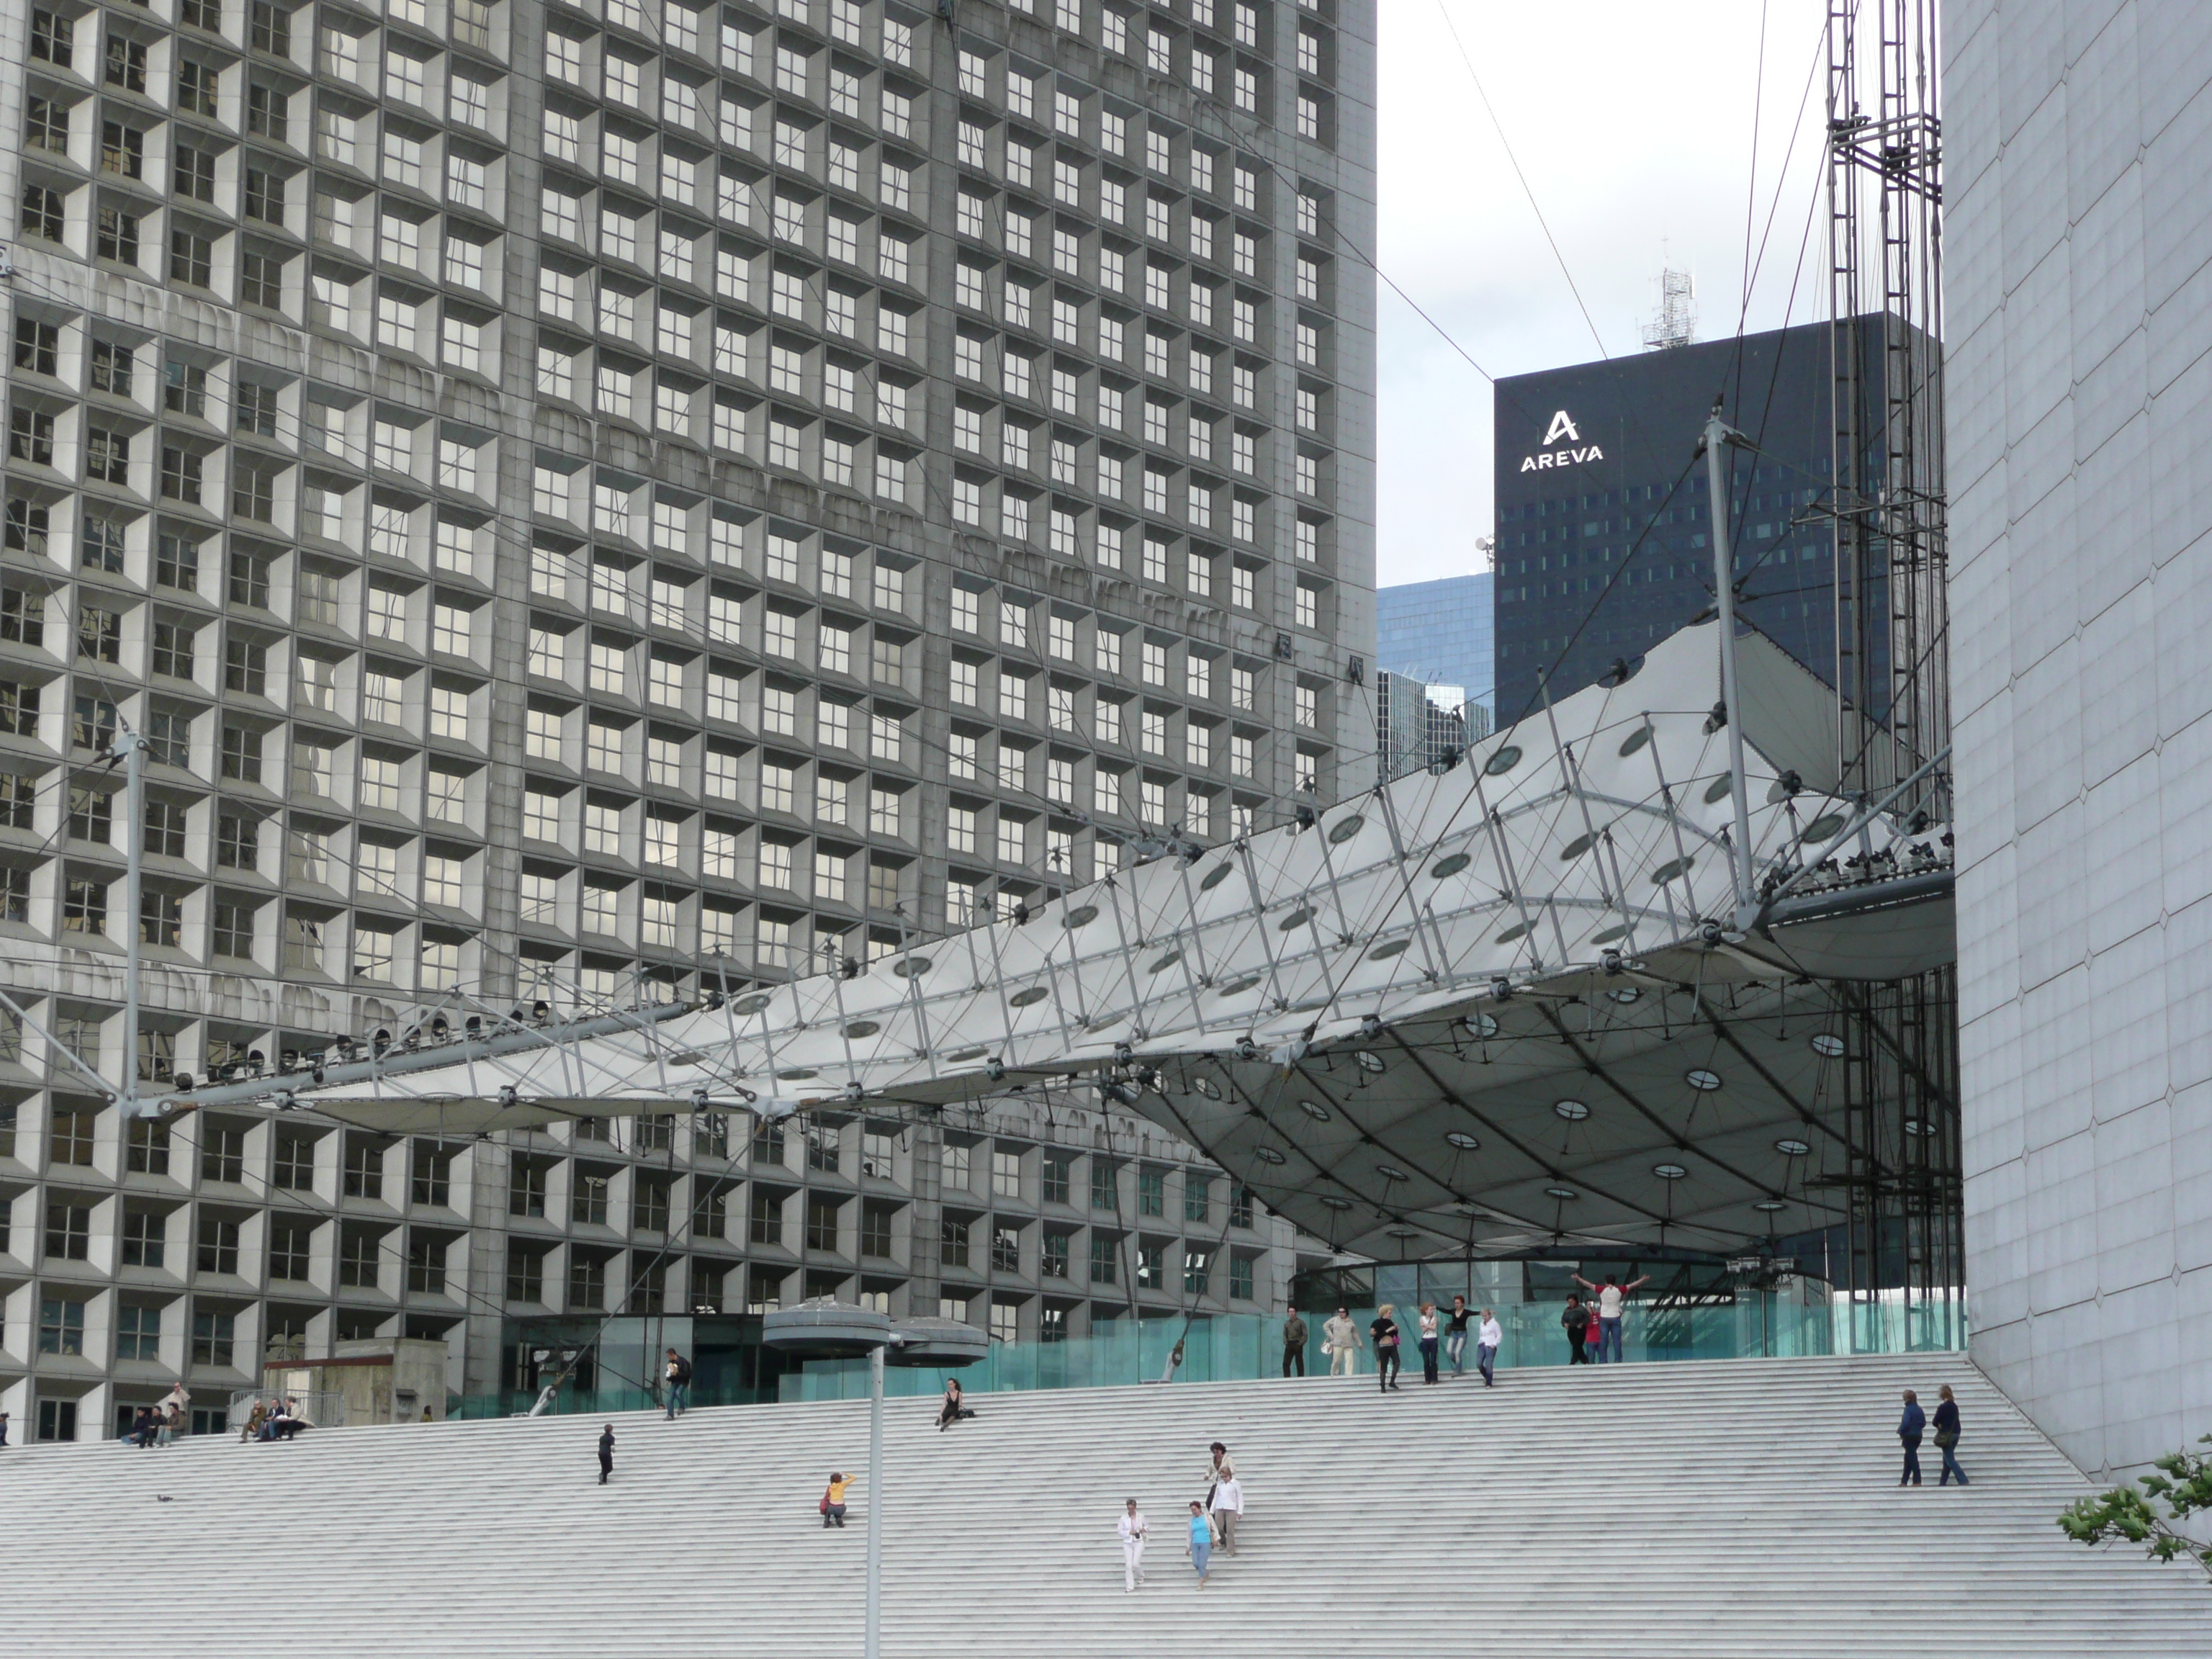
(2078, 255)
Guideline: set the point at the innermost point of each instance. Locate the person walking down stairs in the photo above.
(1429, 1343)
(677, 1374)
(1385, 1330)
(1201, 1541)
(1294, 1344)
(1576, 1321)
(1220, 1467)
(1946, 1437)
(1132, 1529)
(1228, 1510)
(1487, 1337)
(1908, 1430)
(607, 1453)
(833, 1499)
(1340, 1340)
(1455, 1335)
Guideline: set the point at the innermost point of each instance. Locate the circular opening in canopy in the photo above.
(1082, 916)
(1314, 1109)
(1792, 1148)
(1460, 1138)
(1391, 1172)
(911, 966)
(1634, 741)
(1769, 1205)
(1267, 1154)
(1206, 1086)
(1719, 789)
(1345, 828)
(1502, 761)
(1827, 1044)
(1668, 1171)
(1213, 877)
(1337, 1203)
(1036, 993)
(1702, 1080)
(1565, 1194)
(1573, 1111)
(863, 1028)
(1450, 864)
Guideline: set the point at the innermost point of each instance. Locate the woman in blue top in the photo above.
(1201, 1541)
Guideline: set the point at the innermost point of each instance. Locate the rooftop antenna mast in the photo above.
(1677, 322)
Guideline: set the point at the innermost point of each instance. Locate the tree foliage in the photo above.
(2182, 1487)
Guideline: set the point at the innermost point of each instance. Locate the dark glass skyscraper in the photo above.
(1604, 532)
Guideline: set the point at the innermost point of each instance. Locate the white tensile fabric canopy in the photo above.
(1473, 1009)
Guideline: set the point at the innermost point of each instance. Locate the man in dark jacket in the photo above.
(607, 1453)
(1908, 1430)
(679, 1378)
(1294, 1344)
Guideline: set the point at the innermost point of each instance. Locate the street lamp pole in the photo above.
(1718, 435)
(870, 1642)
(132, 749)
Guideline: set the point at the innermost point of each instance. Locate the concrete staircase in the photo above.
(1732, 1508)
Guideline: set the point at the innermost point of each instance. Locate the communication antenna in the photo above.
(1677, 323)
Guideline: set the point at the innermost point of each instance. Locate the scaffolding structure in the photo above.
(1885, 201)
(1898, 1063)
(1676, 323)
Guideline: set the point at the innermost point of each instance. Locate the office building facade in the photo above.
(1416, 725)
(2081, 559)
(1603, 509)
(591, 501)
(1442, 633)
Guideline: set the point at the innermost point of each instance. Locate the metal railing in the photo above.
(322, 1410)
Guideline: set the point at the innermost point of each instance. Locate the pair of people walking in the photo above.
(1212, 1524)
(1224, 1497)
(1487, 1339)
(1914, 1423)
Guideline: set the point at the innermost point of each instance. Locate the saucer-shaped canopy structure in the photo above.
(1502, 1003)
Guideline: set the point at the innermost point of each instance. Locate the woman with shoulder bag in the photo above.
(1384, 1331)
(1946, 1437)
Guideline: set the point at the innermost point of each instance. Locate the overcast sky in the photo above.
(1633, 122)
